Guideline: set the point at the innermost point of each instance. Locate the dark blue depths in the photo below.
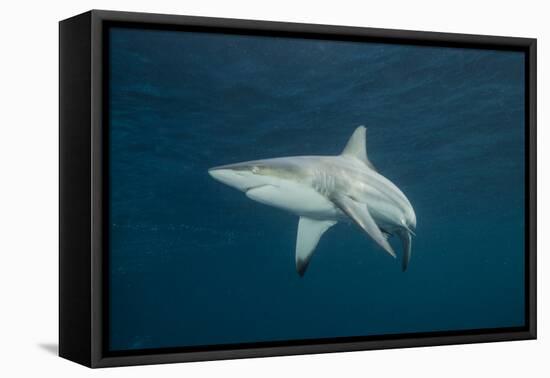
(194, 262)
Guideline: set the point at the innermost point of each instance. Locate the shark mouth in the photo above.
(257, 187)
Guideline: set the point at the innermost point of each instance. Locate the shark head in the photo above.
(250, 175)
(241, 176)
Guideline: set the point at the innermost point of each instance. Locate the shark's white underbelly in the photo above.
(305, 201)
(299, 199)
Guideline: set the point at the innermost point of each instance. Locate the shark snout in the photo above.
(238, 176)
(220, 174)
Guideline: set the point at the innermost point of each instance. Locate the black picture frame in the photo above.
(83, 232)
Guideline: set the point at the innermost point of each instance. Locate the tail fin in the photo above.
(405, 236)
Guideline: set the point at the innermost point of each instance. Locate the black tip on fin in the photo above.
(301, 267)
(406, 239)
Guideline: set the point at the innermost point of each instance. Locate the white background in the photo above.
(29, 186)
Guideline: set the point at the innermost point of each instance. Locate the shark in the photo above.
(325, 190)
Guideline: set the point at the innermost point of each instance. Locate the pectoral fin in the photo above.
(309, 233)
(360, 214)
(406, 240)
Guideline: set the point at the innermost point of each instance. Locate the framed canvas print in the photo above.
(233, 188)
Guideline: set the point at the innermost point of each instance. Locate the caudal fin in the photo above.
(405, 236)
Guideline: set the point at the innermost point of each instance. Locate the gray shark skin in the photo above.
(325, 190)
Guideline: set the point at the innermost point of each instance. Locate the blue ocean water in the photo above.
(195, 262)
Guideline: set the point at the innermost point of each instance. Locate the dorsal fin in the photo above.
(357, 146)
